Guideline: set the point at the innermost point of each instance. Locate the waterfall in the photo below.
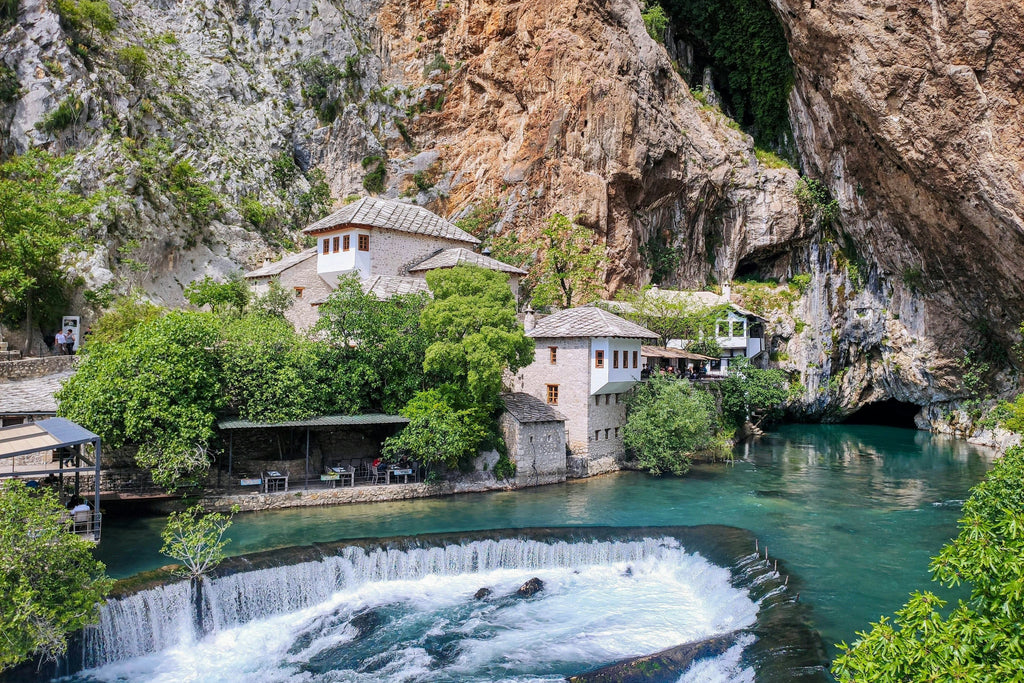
(159, 618)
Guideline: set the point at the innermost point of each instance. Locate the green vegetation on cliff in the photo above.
(743, 42)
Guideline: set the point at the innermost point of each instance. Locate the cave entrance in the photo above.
(887, 413)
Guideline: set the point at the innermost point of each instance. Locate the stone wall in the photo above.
(537, 449)
(393, 252)
(30, 368)
(607, 415)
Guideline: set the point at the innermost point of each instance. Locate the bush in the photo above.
(9, 85)
(319, 80)
(134, 62)
(667, 420)
(373, 181)
(655, 21)
(815, 201)
(67, 113)
(438, 63)
(770, 159)
(85, 18)
(801, 282)
(196, 197)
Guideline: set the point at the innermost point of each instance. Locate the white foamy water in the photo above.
(411, 616)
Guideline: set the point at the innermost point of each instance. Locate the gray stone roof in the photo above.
(284, 264)
(449, 258)
(32, 396)
(323, 421)
(390, 214)
(526, 408)
(588, 321)
(387, 286)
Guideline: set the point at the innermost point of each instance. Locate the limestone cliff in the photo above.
(907, 111)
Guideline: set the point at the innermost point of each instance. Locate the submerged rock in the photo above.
(666, 665)
(482, 593)
(530, 588)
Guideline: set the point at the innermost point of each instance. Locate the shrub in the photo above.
(770, 159)
(134, 62)
(438, 63)
(319, 79)
(655, 21)
(9, 85)
(815, 201)
(801, 282)
(373, 181)
(66, 114)
(85, 18)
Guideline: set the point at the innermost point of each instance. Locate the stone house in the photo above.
(390, 245)
(585, 360)
(534, 433)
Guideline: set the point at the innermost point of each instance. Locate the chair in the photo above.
(82, 519)
(375, 474)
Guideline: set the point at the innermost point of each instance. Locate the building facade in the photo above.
(389, 245)
(585, 360)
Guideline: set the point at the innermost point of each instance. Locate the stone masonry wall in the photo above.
(537, 449)
(393, 252)
(301, 314)
(30, 368)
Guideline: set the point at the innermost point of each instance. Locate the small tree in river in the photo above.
(50, 583)
(667, 420)
(196, 539)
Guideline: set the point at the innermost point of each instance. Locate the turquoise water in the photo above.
(855, 511)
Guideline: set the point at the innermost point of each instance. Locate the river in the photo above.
(854, 511)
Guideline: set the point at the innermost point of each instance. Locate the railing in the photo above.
(87, 523)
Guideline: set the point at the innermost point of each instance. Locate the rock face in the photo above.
(910, 112)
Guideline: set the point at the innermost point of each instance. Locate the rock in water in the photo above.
(531, 587)
(482, 593)
(666, 665)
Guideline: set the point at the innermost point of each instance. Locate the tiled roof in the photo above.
(386, 286)
(393, 215)
(449, 258)
(324, 421)
(588, 321)
(527, 408)
(32, 396)
(284, 264)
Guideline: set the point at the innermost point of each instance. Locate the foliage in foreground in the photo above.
(667, 421)
(196, 539)
(979, 639)
(50, 583)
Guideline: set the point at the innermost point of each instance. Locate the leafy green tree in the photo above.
(751, 393)
(442, 429)
(127, 313)
(667, 420)
(159, 389)
(978, 639)
(672, 315)
(476, 337)
(39, 219)
(570, 265)
(381, 345)
(270, 373)
(655, 21)
(50, 583)
(233, 294)
(196, 539)
(274, 302)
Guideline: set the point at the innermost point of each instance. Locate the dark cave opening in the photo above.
(887, 413)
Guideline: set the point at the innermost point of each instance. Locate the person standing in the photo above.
(69, 340)
(60, 343)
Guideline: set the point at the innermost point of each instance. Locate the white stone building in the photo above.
(585, 360)
(390, 245)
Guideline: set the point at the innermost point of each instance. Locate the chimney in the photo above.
(727, 291)
(529, 319)
(266, 261)
(486, 251)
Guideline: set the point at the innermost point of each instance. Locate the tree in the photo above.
(196, 539)
(50, 583)
(127, 313)
(749, 393)
(380, 343)
(442, 429)
(476, 337)
(274, 302)
(674, 315)
(570, 265)
(39, 220)
(219, 295)
(980, 638)
(666, 421)
(159, 388)
(271, 373)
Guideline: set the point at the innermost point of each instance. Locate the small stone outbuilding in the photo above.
(535, 435)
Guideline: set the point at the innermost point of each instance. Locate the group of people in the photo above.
(64, 342)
